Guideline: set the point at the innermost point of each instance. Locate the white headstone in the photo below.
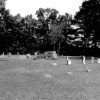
(54, 55)
(83, 60)
(92, 59)
(28, 56)
(68, 61)
(98, 60)
(3, 54)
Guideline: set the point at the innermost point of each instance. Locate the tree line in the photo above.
(51, 31)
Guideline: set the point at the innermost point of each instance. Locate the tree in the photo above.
(59, 31)
(2, 26)
(88, 19)
(46, 17)
(53, 27)
(29, 26)
(65, 26)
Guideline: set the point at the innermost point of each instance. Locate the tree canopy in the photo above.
(51, 31)
(88, 19)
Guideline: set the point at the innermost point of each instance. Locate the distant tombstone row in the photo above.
(84, 60)
(3, 54)
(92, 60)
(50, 55)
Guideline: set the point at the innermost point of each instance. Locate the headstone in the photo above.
(54, 55)
(92, 59)
(83, 60)
(68, 61)
(3, 54)
(9, 54)
(28, 56)
(98, 60)
(35, 56)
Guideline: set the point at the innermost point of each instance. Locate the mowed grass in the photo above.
(40, 80)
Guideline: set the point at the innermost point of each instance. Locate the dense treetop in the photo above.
(51, 31)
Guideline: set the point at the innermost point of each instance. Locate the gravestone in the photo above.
(50, 55)
(92, 59)
(9, 54)
(28, 56)
(98, 60)
(68, 61)
(54, 55)
(83, 60)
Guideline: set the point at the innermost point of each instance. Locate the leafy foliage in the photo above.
(51, 31)
(89, 20)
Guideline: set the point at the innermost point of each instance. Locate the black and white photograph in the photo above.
(49, 49)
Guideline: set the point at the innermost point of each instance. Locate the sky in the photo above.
(27, 7)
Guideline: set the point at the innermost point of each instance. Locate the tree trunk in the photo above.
(59, 46)
(54, 48)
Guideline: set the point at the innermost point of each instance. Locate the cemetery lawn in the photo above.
(40, 80)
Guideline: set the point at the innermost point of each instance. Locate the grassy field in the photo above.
(40, 80)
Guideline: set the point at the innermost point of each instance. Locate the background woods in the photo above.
(52, 31)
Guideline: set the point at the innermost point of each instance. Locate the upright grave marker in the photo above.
(83, 60)
(92, 59)
(68, 61)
